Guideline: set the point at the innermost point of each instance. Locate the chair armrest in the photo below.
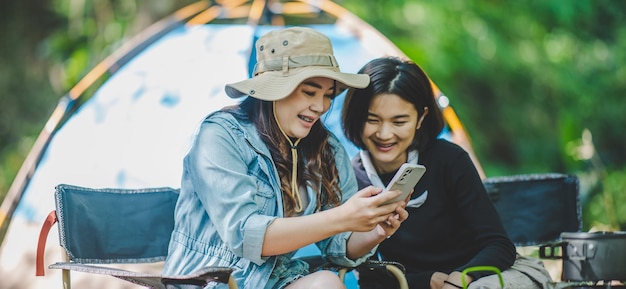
(202, 277)
(372, 264)
(41, 243)
(199, 278)
(317, 263)
(395, 268)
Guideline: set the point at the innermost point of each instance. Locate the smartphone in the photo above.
(405, 180)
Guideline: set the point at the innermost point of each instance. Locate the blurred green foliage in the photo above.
(527, 78)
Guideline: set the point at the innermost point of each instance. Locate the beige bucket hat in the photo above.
(285, 58)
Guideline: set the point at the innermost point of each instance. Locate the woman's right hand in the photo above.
(436, 280)
(365, 209)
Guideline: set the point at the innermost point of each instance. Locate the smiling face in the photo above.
(297, 113)
(389, 130)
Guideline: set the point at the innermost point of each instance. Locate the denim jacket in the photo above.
(230, 193)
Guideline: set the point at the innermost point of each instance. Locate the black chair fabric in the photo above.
(536, 208)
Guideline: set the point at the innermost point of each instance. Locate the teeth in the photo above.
(305, 118)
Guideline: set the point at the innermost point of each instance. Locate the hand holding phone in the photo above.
(405, 180)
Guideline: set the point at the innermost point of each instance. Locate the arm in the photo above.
(235, 202)
(362, 214)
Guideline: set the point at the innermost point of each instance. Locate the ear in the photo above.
(419, 122)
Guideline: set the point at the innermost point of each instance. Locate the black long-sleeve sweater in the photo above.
(457, 227)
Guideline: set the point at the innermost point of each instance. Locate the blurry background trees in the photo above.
(537, 83)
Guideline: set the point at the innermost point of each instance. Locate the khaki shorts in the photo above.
(526, 273)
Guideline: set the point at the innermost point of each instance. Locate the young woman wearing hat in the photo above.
(265, 178)
(452, 224)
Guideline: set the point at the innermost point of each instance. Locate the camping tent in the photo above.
(129, 121)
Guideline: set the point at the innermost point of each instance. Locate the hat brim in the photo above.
(273, 85)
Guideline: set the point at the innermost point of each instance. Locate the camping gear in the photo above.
(129, 121)
(597, 256)
(535, 209)
(118, 226)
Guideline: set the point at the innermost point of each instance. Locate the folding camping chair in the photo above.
(534, 208)
(118, 226)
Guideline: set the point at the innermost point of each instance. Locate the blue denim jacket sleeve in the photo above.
(232, 181)
(334, 248)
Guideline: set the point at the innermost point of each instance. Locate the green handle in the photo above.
(481, 268)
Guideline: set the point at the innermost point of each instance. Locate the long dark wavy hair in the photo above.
(316, 162)
(404, 78)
